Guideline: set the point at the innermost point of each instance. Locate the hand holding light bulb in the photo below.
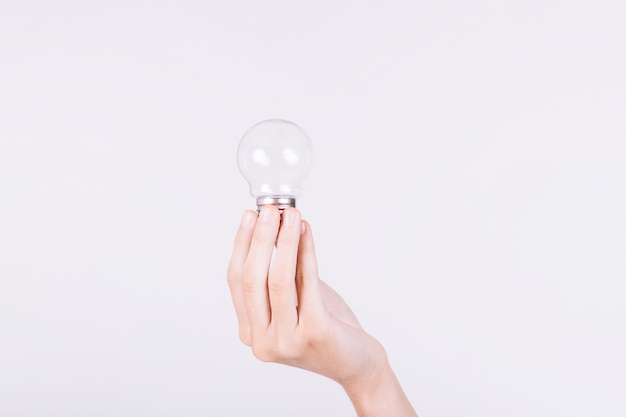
(286, 314)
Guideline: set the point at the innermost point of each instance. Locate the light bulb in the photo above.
(274, 156)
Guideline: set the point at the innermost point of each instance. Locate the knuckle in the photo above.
(232, 276)
(288, 240)
(249, 281)
(289, 350)
(279, 349)
(316, 338)
(265, 234)
(288, 346)
(260, 237)
(318, 334)
(282, 276)
(264, 353)
(249, 285)
(278, 285)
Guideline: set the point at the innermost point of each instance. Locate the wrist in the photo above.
(380, 394)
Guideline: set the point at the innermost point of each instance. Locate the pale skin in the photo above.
(287, 315)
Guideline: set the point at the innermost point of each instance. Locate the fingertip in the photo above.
(291, 216)
(268, 213)
(248, 219)
(291, 211)
(295, 210)
(306, 227)
(306, 237)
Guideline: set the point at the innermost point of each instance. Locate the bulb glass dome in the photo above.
(274, 156)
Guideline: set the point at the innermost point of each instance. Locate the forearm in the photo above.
(380, 396)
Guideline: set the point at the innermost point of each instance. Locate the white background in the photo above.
(467, 199)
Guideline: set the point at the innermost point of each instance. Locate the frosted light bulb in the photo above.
(274, 157)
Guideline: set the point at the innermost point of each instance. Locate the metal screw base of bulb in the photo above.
(280, 202)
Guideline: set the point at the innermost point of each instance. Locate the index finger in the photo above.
(241, 248)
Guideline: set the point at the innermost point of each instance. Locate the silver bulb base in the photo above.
(282, 202)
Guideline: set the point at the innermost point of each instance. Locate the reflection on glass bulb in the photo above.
(274, 157)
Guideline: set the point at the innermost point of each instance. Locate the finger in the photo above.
(307, 278)
(243, 239)
(254, 281)
(282, 277)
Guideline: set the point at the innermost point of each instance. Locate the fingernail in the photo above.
(302, 228)
(248, 219)
(266, 215)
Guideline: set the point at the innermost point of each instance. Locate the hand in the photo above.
(288, 315)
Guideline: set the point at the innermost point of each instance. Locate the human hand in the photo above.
(287, 315)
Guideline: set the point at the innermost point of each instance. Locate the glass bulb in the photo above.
(274, 157)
